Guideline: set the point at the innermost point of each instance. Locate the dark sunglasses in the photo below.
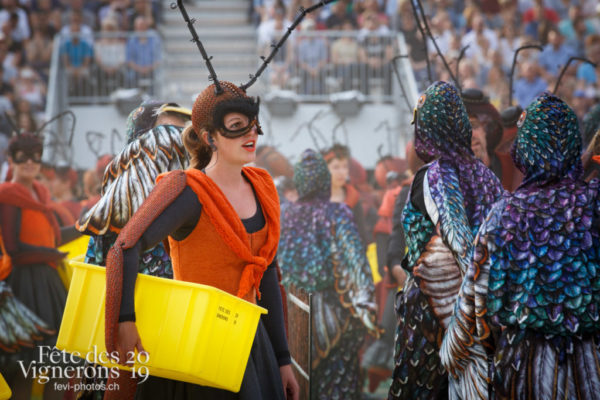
(236, 133)
(22, 158)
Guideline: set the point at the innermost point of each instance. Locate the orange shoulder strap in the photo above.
(5, 261)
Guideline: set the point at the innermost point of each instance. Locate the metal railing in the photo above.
(92, 67)
(316, 64)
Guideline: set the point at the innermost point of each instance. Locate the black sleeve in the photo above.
(417, 197)
(176, 221)
(274, 321)
(397, 242)
(68, 234)
(359, 220)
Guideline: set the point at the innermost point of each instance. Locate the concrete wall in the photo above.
(101, 130)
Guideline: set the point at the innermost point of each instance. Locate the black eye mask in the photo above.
(22, 157)
(247, 106)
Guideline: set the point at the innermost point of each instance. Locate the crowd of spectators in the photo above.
(492, 30)
(27, 31)
(355, 53)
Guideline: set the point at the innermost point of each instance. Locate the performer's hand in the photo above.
(128, 339)
(290, 385)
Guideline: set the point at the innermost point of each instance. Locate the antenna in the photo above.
(424, 36)
(514, 64)
(397, 74)
(277, 46)
(434, 42)
(564, 69)
(196, 39)
(458, 60)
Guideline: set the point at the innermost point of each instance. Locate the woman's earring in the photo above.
(211, 143)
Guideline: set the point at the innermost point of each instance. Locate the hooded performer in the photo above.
(531, 298)
(449, 199)
(154, 146)
(222, 223)
(321, 252)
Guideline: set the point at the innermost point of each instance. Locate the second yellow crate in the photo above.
(193, 333)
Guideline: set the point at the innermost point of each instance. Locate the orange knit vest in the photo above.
(36, 230)
(203, 257)
(219, 252)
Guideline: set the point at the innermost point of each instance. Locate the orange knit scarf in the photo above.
(230, 227)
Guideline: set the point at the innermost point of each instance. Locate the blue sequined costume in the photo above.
(458, 191)
(320, 251)
(532, 294)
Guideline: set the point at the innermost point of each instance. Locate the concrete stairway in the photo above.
(227, 36)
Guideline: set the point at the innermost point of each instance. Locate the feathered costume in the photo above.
(19, 327)
(320, 251)
(457, 193)
(531, 297)
(127, 182)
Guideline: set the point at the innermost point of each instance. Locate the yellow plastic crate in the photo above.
(193, 333)
(5, 391)
(75, 248)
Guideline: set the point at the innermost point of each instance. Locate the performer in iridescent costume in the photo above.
(527, 323)
(320, 251)
(153, 146)
(449, 199)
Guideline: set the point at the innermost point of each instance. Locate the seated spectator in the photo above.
(312, 59)
(26, 122)
(30, 87)
(142, 53)
(267, 30)
(442, 30)
(479, 39)
(471, 69)
(510, 13)
(77, 7)
(586, 74)
(345, 56)
(497, 87)
(10, 10)
(414, 41)
(38, 50)
(575, 28)
(339, 15)
(556, 53)
(279, 72)
(77, 27)
(142, 8)
(117, 10)
(76, 54)
(109, 54)
(9, 61)
(376, 53)
(538, 20)
(372, 7)
(539, 12)
(508, 43)
(530, 85)
(369, 24)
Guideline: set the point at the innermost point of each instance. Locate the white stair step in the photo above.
(181, 31)
(240, 46)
